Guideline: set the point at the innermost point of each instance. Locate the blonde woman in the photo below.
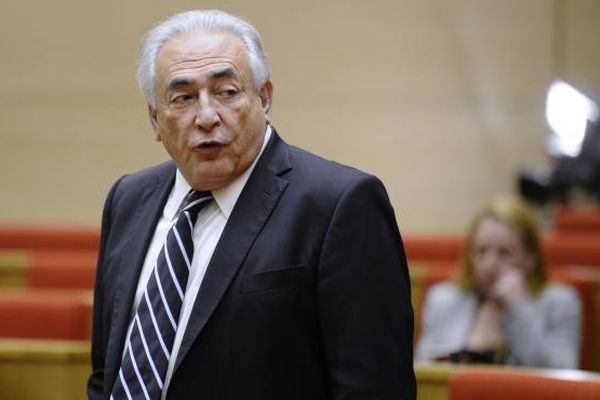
(502, 308)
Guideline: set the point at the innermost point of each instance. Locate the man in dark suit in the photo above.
(298, 286)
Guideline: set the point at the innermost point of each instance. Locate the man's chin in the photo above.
(210, 179)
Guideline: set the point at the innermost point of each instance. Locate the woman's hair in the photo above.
(207, 20)
(514, 214)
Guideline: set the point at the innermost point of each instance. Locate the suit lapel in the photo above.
(251, 212)
(141, 230)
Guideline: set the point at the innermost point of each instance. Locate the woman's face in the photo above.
(497, 248)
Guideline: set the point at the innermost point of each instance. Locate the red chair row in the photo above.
(568, 220)
(73, 269)
(45, 314)
(559, 249)
(59, 266)
(19, 236)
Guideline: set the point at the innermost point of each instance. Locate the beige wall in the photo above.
(441, 99)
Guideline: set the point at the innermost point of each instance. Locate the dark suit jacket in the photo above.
(307, 294)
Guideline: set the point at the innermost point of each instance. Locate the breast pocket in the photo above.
(272, 280)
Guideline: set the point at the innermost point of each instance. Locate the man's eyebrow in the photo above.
(223, 73)
(177, 82)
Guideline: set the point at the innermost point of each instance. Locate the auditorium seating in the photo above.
(577, 221)
(433, 248)
(62, 269)
(48, 268)
(47, 256)
(559, 249)
(18, 236)
(46, 277)
(57, 268)
(45, 314)
(569, 249)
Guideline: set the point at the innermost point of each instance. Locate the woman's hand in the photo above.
(510, 286)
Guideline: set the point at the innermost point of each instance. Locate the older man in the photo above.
(244, 268)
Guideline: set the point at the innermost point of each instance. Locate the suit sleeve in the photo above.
(95, 389)
(365, 313)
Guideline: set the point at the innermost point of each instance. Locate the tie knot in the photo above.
(195, 200)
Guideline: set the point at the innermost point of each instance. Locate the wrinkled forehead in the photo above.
(202, 44)
(202, 50)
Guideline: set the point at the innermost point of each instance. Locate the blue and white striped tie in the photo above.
(148, 350)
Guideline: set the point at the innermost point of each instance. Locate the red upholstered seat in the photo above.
(434, 248)
(567, 220)
(45, 314)
(582, 249)
(62, 269)
(565, 249)
(19, 236)
(587, 283)
(497, 384)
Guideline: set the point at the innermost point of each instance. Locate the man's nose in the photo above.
(207, 115)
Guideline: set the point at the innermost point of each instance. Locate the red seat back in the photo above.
(496, 384)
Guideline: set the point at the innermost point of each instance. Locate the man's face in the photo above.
(208, 115)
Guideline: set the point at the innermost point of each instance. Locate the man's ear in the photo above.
(153, 114)
(266, 97)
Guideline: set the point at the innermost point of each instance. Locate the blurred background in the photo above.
(447, 101)
(443, 100)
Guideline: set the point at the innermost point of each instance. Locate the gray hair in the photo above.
(209, 20)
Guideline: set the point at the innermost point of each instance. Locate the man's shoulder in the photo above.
(325, 181)
(321, 170)
(130, 187)
(161, 172)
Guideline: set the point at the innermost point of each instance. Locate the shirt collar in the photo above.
(225, 197)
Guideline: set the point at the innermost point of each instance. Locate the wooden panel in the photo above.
(49, 370)
(432, 380)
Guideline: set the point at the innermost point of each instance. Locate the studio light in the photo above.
(568, 113)
(574, 144)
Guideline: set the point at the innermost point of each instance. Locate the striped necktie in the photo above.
(148, 350)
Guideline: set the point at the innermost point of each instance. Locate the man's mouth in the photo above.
(209, 145)
(209, 148)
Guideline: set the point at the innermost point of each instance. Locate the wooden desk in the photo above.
(38, 369)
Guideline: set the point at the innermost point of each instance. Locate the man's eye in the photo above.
(228, 93)
(182, 98)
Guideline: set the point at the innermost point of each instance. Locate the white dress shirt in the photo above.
(207, 231)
